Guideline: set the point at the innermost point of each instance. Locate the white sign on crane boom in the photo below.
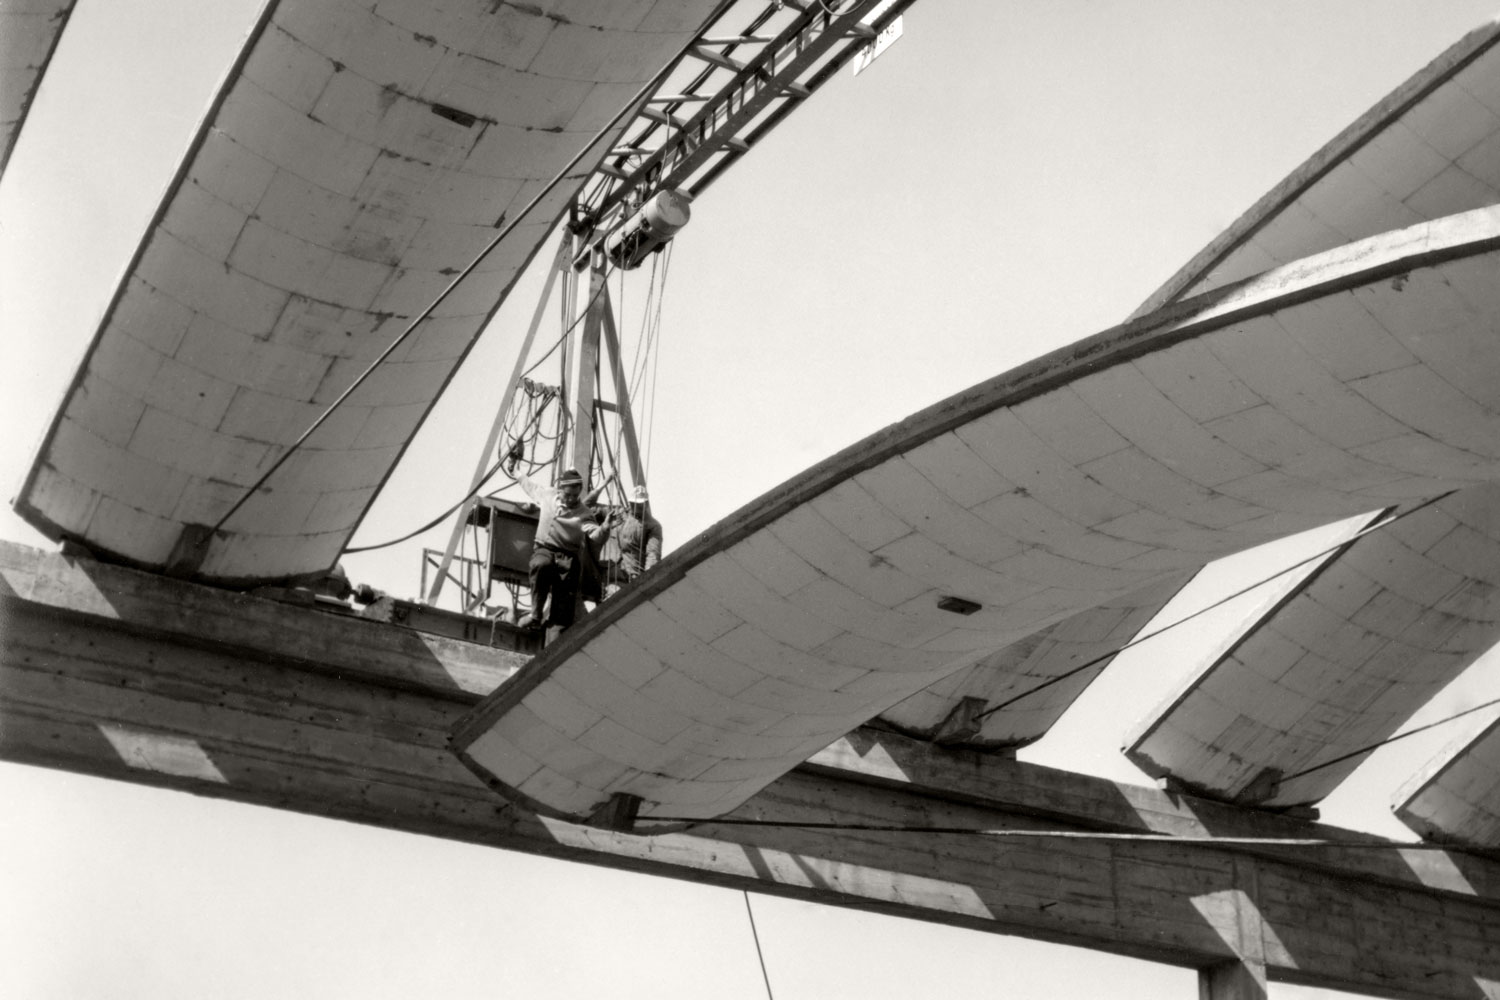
(887, 37)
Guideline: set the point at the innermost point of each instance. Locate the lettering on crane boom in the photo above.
(888, 35)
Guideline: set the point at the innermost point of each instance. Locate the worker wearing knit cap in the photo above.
(565, 525)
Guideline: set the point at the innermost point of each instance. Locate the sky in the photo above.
(1009, 177)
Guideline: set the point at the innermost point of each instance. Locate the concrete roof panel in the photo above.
(328, 124)
(1331, 684)
(363, 41)
(204, 222)
(509, 33)
(1456, 797)
(1312, 683)
(105, 411)
(289, 69)
(1372, 177)
(322, 163)
(531, 100)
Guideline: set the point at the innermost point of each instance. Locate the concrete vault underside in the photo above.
(803, 664)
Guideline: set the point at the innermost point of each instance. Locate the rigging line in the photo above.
(1101, 835)
(483, 480)
(651, 321)
(614, 466)
(1372, 527)
(758, 953)
(469, 598)
(582, 315)
(1389, 739)
(642, 342)
(435, 521)
(626, 373)
(655, 367)
(628, 108)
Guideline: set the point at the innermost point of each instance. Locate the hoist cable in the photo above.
(1387, 741)
(759, 954)
(434, 522)
(625, 109)
(1375, 526)
(534, 419)
(655, 365)
(643, 339)
(563, 338)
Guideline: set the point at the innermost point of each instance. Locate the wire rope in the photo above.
(533, 420)
(1387, 741)
(430, 524)
(1059, 678)
(651, 395)
(759, 954)
(562, 339)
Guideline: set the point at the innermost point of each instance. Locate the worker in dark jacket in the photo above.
(565, 525)
(638, 536)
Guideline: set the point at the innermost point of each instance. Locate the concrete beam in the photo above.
(114, 673)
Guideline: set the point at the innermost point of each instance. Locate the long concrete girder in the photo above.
(121, 674)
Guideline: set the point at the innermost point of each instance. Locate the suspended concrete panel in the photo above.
(1035, 679)
(359, 156)
(1279, 718)
(29, 32)
(1429, 149)
(1345, 383)
(1455, 799)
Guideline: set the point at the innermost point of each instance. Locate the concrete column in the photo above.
(1236, 916)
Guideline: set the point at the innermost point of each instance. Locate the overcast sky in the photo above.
(1008, 178)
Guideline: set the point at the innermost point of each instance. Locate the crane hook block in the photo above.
(651, 227)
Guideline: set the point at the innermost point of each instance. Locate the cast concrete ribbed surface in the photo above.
(1456, 798)
(1340, 665)
(360, 156)
(1430, 149)
(1330, 355)
(1339, 385)
(1337, 360)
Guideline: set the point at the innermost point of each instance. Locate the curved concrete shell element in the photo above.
(360, 154)
(1429, 149)
(1340, 664)
(29, 33)
(1345, 383)
(1035, 679)
(1456, 798)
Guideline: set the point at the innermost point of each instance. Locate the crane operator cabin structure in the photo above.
(854, 656)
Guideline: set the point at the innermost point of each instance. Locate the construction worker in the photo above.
(638, 536)
(565, 525)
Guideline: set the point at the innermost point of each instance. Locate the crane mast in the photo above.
(750, 67)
